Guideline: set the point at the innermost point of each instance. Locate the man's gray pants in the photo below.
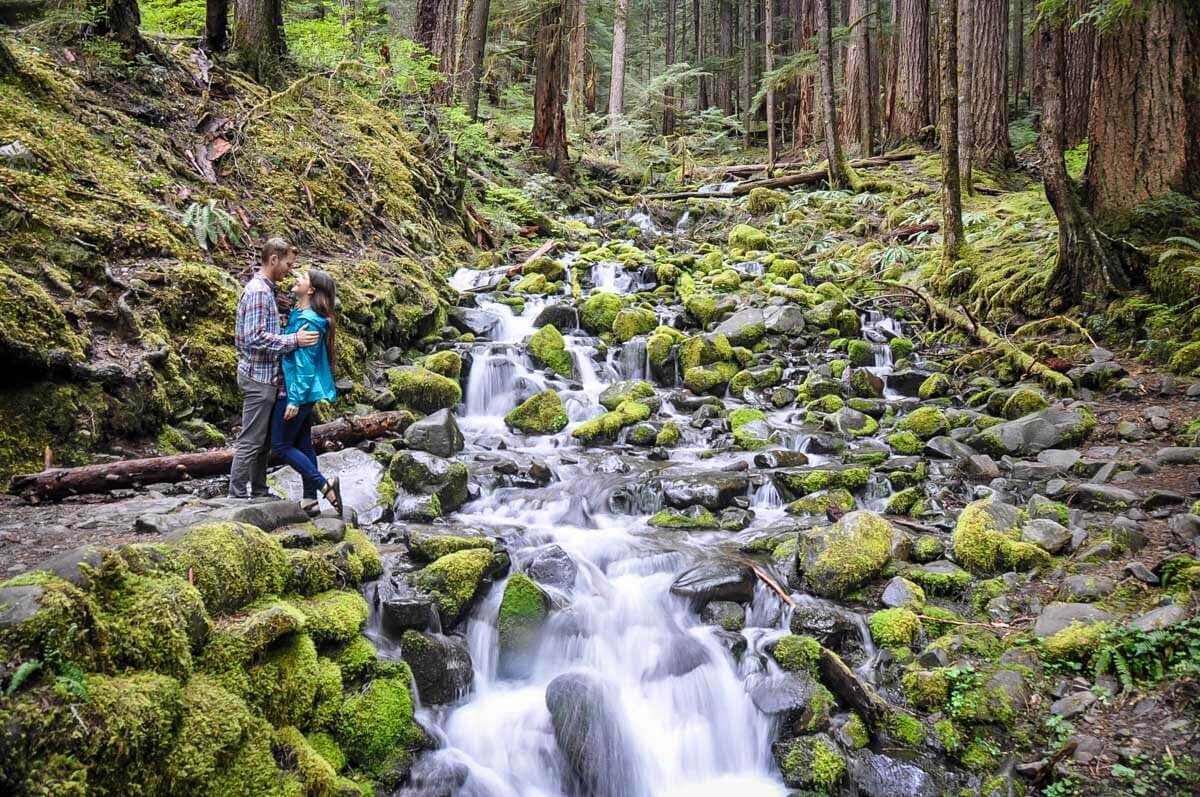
(253, 447)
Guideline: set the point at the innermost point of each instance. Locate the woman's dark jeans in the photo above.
(292, 442)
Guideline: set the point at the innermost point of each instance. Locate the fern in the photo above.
(210, 225)
(22, 674)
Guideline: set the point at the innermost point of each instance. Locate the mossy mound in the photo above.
(548, 350)
(750, 429)
(987, 540)
(445, 363)
(607, 426)
(431, 547)
(631, 322)
(748, 239)
(422, 389)
(455, 580)
(894, 628)
(842, 557)
(523, 609)
(924, 422)
(375, 727)
(811, 762)
(796, 653)
(765, 200)
(599, 311)
(232, 564)
(542, 413)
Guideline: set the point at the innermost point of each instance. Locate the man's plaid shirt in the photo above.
(259, 342)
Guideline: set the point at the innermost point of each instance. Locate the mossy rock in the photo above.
(631, 322)
(702, 307)
(1186, 361)
(669, 435)
(765, 200)
(547, 349)
(860, 353)
(749, 239)
(375, 726)
(540, 414)
(617, 394)
(155, 624)
(523, 609)
(333, 616)
(822, 501)
(32, 327)
(750, 429)
(840, 558)
(811, 762)
(41, 614)
(309, 769)
(422, 389)
(796, 653)
(901, 348)
(894, 628)
(232, 564)
(534, 283)
(987, 539)
(695, 517)
(455, 579)
(756, 379)
(905, 443)
(431, 547)
(599, 311)
(803, 481)
(924, 422)
(709, 379)
(606, 427)
(1023, 402)
(283, 683)
(926, 690)
(445, 363)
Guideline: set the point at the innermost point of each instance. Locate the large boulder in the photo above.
(715, 581)
(436, 434)
(1023, 437)
(553, 567)
(587, 724)
(422, 474)
(987, 539)
(523, 611)
(422, 389)
(542, 413)
(743, 328)
(714, 490)
(877, 775)
(441, 666)
(795, 700)
(457, 579)
(840, 558)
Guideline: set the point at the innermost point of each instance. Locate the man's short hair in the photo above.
(278, 247)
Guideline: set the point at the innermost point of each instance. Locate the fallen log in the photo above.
(57, 483)
(752, 168)
(911, 230)
(541, 251)
(1059, 383)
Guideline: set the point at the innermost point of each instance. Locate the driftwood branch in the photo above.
(541, 251)
(57, 483)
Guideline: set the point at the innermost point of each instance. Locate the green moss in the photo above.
(983, 548)
(599, 311)
(314, 773)
(847, 323)
(856, 731)
(232, 564)
(548, 350)
(765, 200)
(607, 426)
(1023, 402)
(926, 690)
(746, 380)
(446, 363)
(669, 435)
(901, 348)
(797, 653)
(431, 547)
(743, 421)
(924, 422)
(977, 757)
(155, 624)
(1076, 642)
(905, 443)
(894, 628)
(709, 379)
(905, 502)
(376, 725)
(540, 414)
(937, 582)
(357, 660)
(822, 501)
(838, 559)
(422, 389)
(935, 386)
(631, 390)
(333, 616)
(811, 762)
(860, 353)
(658, 348)
(704, 350)
(814, 479)
(324, 745)
(826, 404)
(671, 519)
(1186, 361)
(947, 735)
(365, 551)
(534, 283)
(748, 239)
(454, 579)
(523, 609)
(632, 322)
(311, 571)
(906, 729)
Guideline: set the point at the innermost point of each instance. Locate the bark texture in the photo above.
(1017, 52)
(910, 116)
(964, 74)
(258, 42)
(856, 113)
(474, 45)
(669, 111)
(616, 88)
(952, 231)
(725, 72)
(435, 28)
(216, 25)
(838, 172)
(989, 84)
(1080, 45)
(1145, 115)
(549, 112)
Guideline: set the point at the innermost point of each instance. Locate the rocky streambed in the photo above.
(688, 520)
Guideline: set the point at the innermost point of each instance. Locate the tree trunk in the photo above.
(435, 29)
(59, 483)
(948, 120)
(577, 61)
(258, 41)
(549, 116)
(616, 88)
(118, 19)
(1018, 53)
(725, 52)
(989, 94)
(911, 113)
(769, 38)
(1085, 267)
(474, 46)
(838, 172)
(1145, 114)
(889, 101)
(9, 68)
(669, 95)
(747, 39)
(856, 110)
(964, 73)
(874, 55)
(698, 50)
(216, 25)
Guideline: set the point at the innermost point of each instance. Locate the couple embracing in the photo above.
(282, 374)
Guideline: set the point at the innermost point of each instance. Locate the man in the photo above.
(260, 346)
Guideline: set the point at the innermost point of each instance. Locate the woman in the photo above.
(307, 379)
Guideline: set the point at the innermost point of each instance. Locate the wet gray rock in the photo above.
(1058, 616)
(1013, 685)
(714, 490)
(900, 592)
(846, 421)
(784, 319)
(980, 467)
(715, 581)
(1096, 376)
(1083, 588)
(76, 565)
(437, 434)
(743, 328)
(726, 614)
(1160, 618)
(553, 567)
(834, 627)
(480, 323)
(1141, 573)
(441, 665)
(908, 382)
(680, 655)
(1050, 428)
(787, 697)
(563, 317)
(782, 458)
(1175, 455)
(423, 474)
(1072, 705)
(589, 728)
(1104, 497)
(880, 776)
(405, 608)
(1046, 534)
(948, 448)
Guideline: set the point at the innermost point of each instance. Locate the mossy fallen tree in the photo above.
(56, 483)
(1053, 380)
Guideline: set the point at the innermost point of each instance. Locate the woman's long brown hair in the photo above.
(324, 301)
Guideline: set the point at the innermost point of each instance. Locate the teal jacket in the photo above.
(307, 376)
